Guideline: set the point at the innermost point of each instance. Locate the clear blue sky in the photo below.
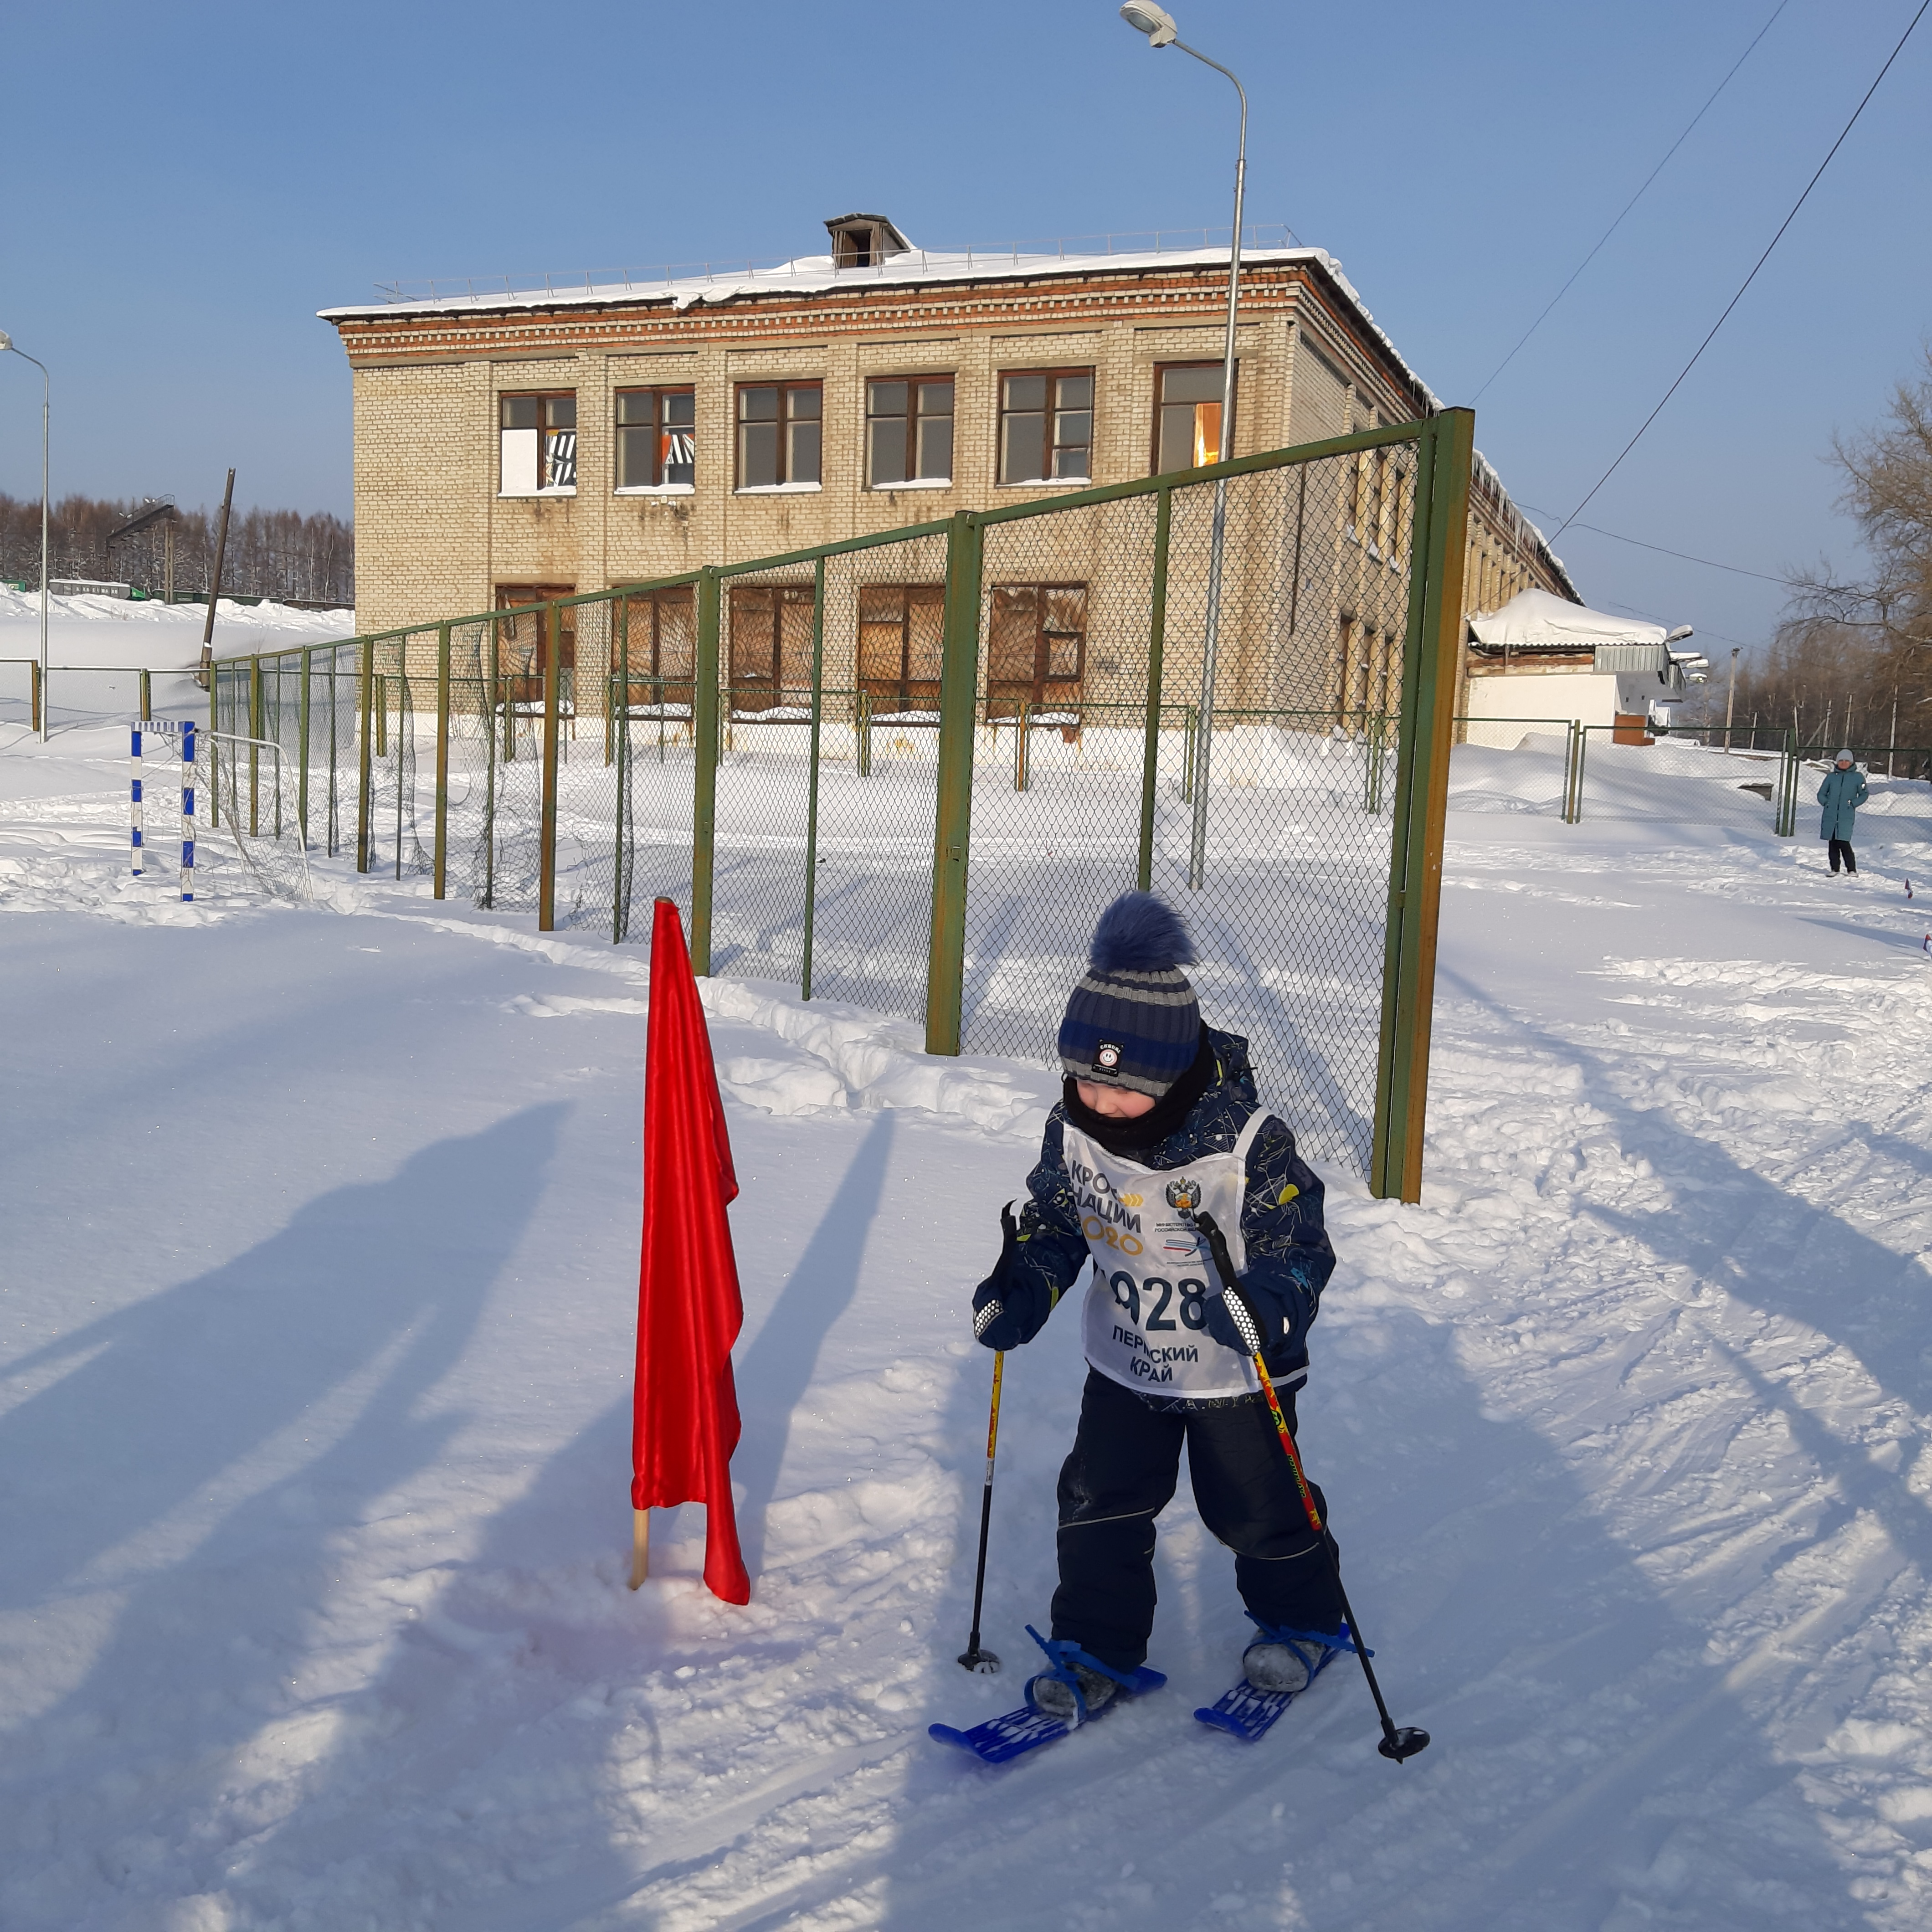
(186, 185)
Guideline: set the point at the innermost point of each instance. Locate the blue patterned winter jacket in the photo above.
(1288, 1248)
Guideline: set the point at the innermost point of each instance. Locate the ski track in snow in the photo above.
(313, 1434)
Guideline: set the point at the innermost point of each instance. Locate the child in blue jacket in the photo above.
(1159, 1121)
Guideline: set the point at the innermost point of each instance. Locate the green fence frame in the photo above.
(1416, 796)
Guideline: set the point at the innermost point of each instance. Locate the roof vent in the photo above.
(864, 241)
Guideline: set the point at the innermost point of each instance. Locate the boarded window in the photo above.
(901, 632)
(771, 646)
(523, 642)
(1036, 645)
(658, 631)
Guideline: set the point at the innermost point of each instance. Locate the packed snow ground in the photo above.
(319, 1253)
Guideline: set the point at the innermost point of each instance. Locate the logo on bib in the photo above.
(1183, 1194)
(1106, 1057)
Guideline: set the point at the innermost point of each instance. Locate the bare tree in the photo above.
(1852, 658)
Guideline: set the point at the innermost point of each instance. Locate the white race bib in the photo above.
(1145, 1323)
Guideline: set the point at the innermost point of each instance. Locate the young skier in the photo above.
(1159, 1121)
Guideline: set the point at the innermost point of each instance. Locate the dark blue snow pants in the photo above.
(1122, 1474)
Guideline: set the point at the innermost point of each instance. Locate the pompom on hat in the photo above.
(1133, 1021)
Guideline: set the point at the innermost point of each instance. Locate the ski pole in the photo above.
(1398, 1741)
(974, 1656)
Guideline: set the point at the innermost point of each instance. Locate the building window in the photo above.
(657, 637)
(538, 451)
(657, 439)
(909, 431)
(902, 632)
(1046, 426)
(778, 435)
(523, 637)
(1037, 645)
(771, 646)
(1186, 415)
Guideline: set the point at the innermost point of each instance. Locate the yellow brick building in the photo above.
(516, 446)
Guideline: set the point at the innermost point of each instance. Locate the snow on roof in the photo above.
(1535, 620)
(818, 275)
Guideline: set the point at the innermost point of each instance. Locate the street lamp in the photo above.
(46, 391)
(1158, 26)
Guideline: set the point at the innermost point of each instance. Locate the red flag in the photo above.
(685, 1412)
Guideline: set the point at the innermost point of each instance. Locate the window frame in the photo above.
(913, 419)
(905, 693)
(643, 616)
(543, 431)
(1054, 374)
(520, 691)
(658, 392)
(1160, 373)
(785, 386)
(1001, 692)
(741, 685)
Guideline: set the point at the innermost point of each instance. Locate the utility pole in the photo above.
(1731, 702)
(206, 674)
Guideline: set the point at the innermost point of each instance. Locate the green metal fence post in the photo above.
(440, 861)
(811, 779)
(958, 695)
(147, 696)
(1576, 787)
(704, 768)
(1156, 653)
(302, 701)
(1430, 658)
(365, 698)
(551, 618)
(1785, 824)
(618, 693)
(254, 750)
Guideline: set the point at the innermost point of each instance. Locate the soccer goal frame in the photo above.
(182, 733)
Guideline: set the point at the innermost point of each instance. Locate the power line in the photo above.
(1709, 563)
(1632, 202)
(1753, 276)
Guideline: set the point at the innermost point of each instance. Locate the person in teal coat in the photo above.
(1841, 794)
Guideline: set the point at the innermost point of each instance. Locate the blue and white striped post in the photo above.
(188, 810)
(134, 806)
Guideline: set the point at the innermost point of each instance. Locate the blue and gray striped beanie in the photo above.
(1133, 1021)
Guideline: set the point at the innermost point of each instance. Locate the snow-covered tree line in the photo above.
(278, 553)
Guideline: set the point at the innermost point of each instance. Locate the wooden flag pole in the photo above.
(640, 1546)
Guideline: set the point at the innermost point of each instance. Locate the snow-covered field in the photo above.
(106, 639)
(319, 1242)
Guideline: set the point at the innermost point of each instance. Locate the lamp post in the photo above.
(47, 392)
(1158, 26)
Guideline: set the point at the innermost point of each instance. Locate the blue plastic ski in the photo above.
(1000, 1739)
(1247, 1713)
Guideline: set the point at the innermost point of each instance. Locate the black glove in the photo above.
(1245, 1315)
(1012, 1304)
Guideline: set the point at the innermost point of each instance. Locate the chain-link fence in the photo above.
(910, 770)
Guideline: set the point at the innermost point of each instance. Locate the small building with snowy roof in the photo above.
(1541, 659)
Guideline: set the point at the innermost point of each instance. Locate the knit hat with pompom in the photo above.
(1133, 1021)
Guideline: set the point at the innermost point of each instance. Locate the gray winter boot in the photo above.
(1283, 1667)
(1054, 1696)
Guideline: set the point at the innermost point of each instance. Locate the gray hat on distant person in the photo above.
(1844, 758)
